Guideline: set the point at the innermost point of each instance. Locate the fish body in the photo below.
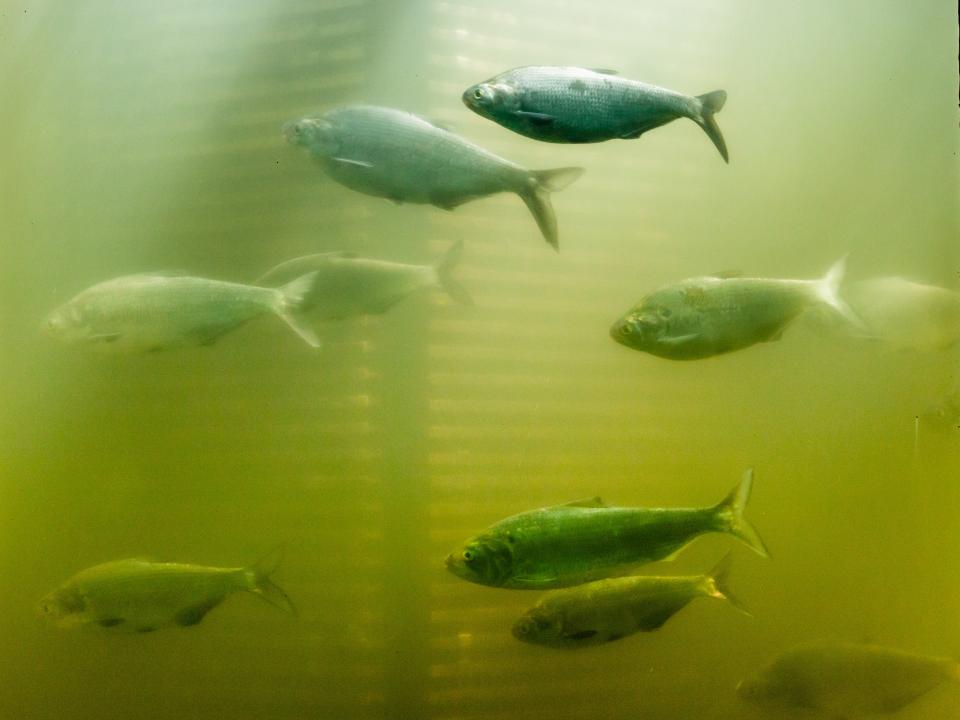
(400, 156)
(907, 315)
(607, 610)
(847, 680)
(705, 316)
(152, 312)
(578, 105)
(582, 541)
(347, 286)
(137, 595)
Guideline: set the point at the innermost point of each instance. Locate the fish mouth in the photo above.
(624, 333)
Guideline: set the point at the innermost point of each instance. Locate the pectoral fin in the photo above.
(679, 339)
(110, 622)
(582, 635)
(535, 117)
(105, 337)
(592, 502)
(348, 161)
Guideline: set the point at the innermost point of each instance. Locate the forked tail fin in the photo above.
(828, 291)
(717, 584)
(262, 586)
(710, 104)
(444, 267)
(730, 518)
(295, 301)
(537, 198)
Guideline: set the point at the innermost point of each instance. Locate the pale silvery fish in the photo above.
(586, 540)
(846, 680)
(577, 105)
(137, 595)
(348, 286)
(706, 316)
(397, 155)
(152, 312)
(607, 610)
(907, 315)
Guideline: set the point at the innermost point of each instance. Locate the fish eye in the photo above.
(625, 330)
(467, 555)
(665, 312)
(478, 94)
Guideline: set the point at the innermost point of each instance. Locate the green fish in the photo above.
(577, 105)
(156, 311)
(705, 316)
(349, 286)
(403, 157)
(586, 540)
(140, 596)
(846, 680)
(607, 610)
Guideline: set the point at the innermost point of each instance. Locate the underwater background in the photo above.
(146, 136)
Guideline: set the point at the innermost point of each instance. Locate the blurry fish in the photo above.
(706, 316)
(906, 314)
(945, 413)
(347, 286)
(847, 680)
(141, 596)
(586, 540)
(397, 155)
(154, 311)
(607, 610)
(577, 105)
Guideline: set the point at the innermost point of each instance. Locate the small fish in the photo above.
(347, 286)
(706, 316)
(577, 105)
(847, 680)
(606, 610)
(586, 540)
(907, 315)
(153, 311)
(137, 595)
(944, 414)
(405, 158)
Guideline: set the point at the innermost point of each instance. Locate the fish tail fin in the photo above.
(444, 269)
(717, 584)
(710, 104)
(295, 301)
(537, 197)
(262, 586)
(828, 292)
(730, 515)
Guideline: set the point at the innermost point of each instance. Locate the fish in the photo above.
(705, 316)
(611, 609)
(846, 680)
(139, 596)
(579, 105)
(403, 157)
(944, 414)
(348, 286)
(586, 540)
(907, 315)
(151, 312)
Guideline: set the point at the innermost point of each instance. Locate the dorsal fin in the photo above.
(605, 71)
(591, 502)
(726, 274)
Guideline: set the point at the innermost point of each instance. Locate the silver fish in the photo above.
(347, 286)
(607, 610)
(577, 105)
(706, 316)
(847, 680)
(137, 595)
(152, 312)
(397, 155)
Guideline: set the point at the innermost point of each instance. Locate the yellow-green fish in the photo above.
(141, 596)
(158, 311)
(607, 610)
(348, 286)
(586, 540)
(705, 316)
(847, 680)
